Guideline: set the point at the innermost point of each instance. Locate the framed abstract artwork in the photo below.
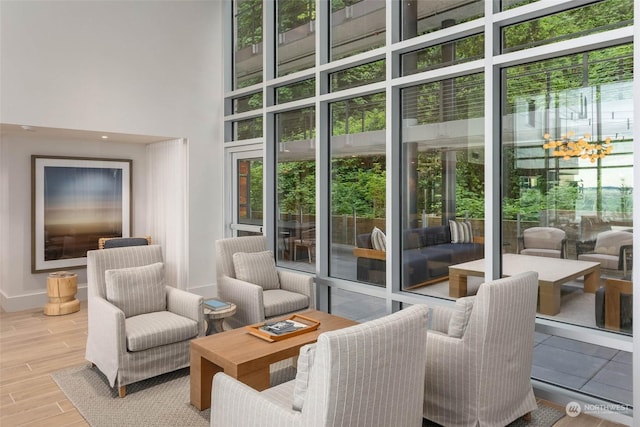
(74, 202)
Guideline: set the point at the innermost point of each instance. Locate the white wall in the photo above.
(21, 289)
(134, 67)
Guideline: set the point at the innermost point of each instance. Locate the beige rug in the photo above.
(164, 401)
(159, 401)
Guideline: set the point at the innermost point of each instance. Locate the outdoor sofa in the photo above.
(427, 254)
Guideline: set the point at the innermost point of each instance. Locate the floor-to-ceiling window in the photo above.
(381, 121)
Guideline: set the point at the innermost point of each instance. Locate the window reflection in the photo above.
(296, 183)
(568, 166)
(442, 180)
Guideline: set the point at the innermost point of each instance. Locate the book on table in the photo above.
(215, 304)
(282, 327)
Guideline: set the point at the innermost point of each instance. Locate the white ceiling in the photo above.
(77, 135)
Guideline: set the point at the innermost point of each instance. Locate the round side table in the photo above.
(61, 290)
(215, 319)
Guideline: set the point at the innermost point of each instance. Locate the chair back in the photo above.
(544, 238)
(370, 374)
(225, 248)
(119, 242)
(501, 330)
(609, 242)
(99, 261)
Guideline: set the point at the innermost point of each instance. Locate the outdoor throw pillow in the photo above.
(258, 268)
(305, 362)
(378, 240)
(460, 317)
(137, 290)
(461, 231)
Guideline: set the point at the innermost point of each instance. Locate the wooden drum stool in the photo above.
(61, 290)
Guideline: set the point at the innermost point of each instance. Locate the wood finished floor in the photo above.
(33, 345)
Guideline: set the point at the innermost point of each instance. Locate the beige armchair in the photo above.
(365, 375)
(247, 276)
(138, 326)
(613, 250)
(543, 241)
(479, 356)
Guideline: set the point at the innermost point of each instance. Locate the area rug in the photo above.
(163, 401)
(159, 401)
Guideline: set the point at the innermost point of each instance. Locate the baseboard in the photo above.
(34, 300)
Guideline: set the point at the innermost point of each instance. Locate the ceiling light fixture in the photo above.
(105, 137)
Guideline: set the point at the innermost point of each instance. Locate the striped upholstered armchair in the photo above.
(247, 276)
(370, 374)
(479, 356)
(138, 326)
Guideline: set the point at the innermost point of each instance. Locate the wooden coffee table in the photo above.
(552, 273)
(246, 357)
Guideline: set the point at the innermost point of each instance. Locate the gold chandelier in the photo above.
(567, 147)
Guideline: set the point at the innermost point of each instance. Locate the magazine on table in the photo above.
(282, 327)
(215, 304)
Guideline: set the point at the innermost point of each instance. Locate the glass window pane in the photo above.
(249, 197)
(456, 52)
(247, 129)
(357, 307)
(296, 189)
(358, 76)
(356, 26)
(296, 91)
(247, 103)
(512, 4)
(296, 44)
(595, 18)
(247, 43)
(422, 17)
(442, 180)
(568, 165)
(358, 183)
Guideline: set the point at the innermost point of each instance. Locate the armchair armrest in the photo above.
(235, 404)
(447, 354)
(246, 296)
(625, 257)
(107, 339)
(187, 305)
(299, 283)
(564, 250)
(370, 253)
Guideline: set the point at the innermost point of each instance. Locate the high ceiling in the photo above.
(44, 133)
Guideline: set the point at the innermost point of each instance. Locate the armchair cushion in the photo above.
(157, 329)
(279, 301)
(301, 383)
(460, 317)
(137, 290)
(258, 268)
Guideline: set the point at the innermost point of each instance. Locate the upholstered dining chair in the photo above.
(139, 327)
(370, 374)
(613, 249)
(543, 241)
(480, 353)
(247, 276)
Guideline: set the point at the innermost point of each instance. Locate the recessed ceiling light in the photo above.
(105, 137)
(27, 128)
